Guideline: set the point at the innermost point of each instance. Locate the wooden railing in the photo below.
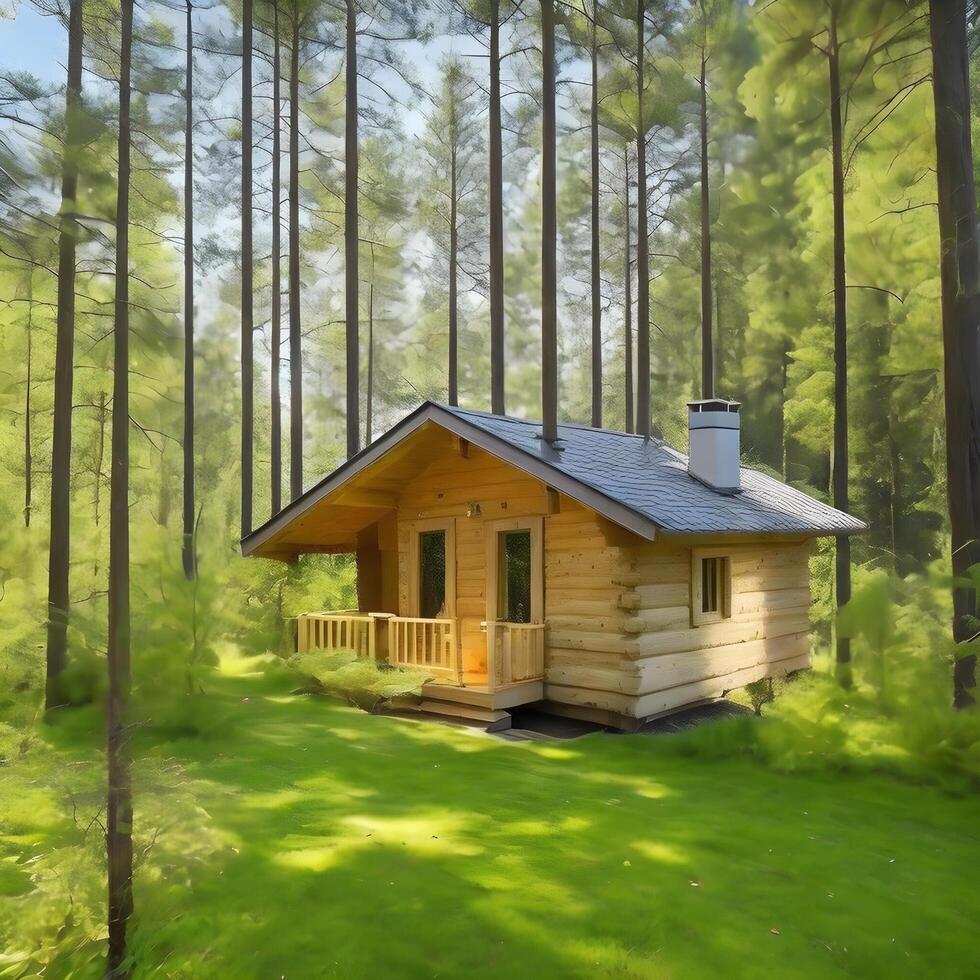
(431, 644)
(515, 653)
(338, 631)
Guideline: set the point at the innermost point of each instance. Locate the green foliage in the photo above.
(897, 718)
(357, 680)
(760, 693)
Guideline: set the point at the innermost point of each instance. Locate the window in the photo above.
(515, 570)
(710, 587)
(514, 576)
(432, 574)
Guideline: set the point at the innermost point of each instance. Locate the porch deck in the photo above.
(514, 673)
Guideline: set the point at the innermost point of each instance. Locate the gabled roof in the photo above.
(641, 484)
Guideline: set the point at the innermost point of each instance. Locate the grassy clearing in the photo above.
(307, 839)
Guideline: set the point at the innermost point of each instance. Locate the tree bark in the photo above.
(28, 454)
(59, 545)
(549, 230)
(188, 551)
(247, 314)
(295, 335)
(119, 804)
(840, 472)
(275, 397)
(628, 300)
(707, 343)
(99, 459)
(642, 243)
(496, 165)
(351, 235)
(369, 400)
(596, 282)
(453, 392)
(960, 279)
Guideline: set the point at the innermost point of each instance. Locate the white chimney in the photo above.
(713, 435)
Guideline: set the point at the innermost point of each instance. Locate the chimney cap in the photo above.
(714, 405)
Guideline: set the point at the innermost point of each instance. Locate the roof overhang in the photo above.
(541, 465)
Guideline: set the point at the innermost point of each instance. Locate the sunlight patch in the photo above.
(435, 832)
(311, 858)
(660, 852)
(233, 663)
(555, 752)
(640, 785)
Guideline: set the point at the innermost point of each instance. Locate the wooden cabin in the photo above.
(602, 576)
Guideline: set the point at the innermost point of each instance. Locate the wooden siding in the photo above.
(618, 608)
(650, 659)
(448, 488)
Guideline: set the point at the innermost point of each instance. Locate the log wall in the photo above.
(619, 636)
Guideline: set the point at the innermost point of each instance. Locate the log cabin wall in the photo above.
(619, 639)
(651, 659)
(457, 481)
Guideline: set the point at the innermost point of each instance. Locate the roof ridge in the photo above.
(458, 410)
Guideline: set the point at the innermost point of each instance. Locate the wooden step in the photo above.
(507, 697)
(496, 721)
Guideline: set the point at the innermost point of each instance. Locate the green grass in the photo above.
(306, 839)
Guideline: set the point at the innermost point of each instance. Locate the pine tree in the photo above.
(960, 266)
(188, 555)
(60, 534)
(119, 803)
(247, 327)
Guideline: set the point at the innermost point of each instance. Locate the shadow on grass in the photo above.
(357, 845)
(307, 839)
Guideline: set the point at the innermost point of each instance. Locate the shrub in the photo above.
(361, 682)
(896, 718)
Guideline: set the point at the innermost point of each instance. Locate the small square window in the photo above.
(710, 588)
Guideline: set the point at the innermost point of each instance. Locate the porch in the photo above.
(513, 675)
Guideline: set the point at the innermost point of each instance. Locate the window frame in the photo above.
(418, 528)
(493, 530)
(503, 583)
(724, 611)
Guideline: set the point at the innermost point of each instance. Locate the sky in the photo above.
(31, 42)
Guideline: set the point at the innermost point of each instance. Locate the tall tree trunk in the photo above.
(594, 271)
(247, 322)
(369, 401)
(642, 242)
(60, 539)
(960, 277)
(187, 554)
(351, 235)
(28, 454)
(628, 300)
(295, 336)
(840, 473)
(163, 490)
(119, 803)
(549, 230)
(707, 344)
(99, 460)
(453, 263)
(275, 398)
(496, 165)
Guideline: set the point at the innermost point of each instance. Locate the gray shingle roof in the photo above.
(649, 477)
(641, 484)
